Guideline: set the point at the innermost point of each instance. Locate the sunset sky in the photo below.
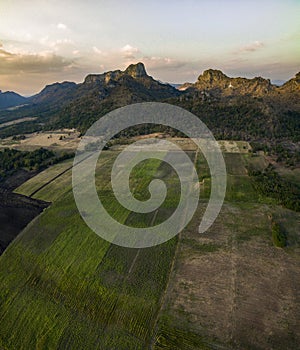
(44, 41)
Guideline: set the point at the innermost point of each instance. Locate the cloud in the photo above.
(129, 51)
(18, 63)
(254, 46)
(61, 26)
(63, 46)
(61, 43)
(161, 63)
(96, 50)
(44, 40)
(5, 54)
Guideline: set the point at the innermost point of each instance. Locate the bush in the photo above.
(278, 236)
(19, 137)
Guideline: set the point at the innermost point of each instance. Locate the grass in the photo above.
(174, 334)
(200, 247)
(240, 188)
(234, 164)
(289, 223)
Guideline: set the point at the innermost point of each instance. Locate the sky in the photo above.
(45, 41)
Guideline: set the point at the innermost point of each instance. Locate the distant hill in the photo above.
(54, 93)
(11, 99)
(175, 85)
(278, 82)
(233, 108)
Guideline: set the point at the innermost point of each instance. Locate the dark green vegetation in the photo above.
(240, 118)
(270, 184)
(63, 287)
(12, 160)
(283, 154)
(279, 237)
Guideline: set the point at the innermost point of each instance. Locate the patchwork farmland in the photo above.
(63, 287)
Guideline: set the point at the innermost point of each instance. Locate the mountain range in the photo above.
(232, 107)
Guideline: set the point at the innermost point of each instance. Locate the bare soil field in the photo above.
(235, 146)
(232, 287)
(16, 210)
(17, 121)
(65, 139)
(188, 145)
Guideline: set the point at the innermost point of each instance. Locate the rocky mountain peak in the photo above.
(212, 75)
(216, 80)
(292, 84)
(136, 70)
(297, 77)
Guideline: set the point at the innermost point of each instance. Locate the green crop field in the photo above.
(63, 287)
(43, 178)
(116, 291)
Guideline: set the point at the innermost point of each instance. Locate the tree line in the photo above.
(12, 160)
